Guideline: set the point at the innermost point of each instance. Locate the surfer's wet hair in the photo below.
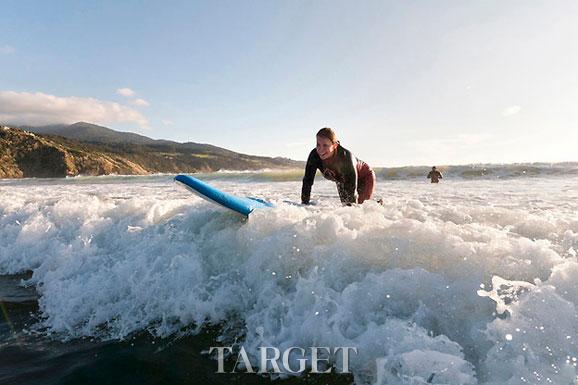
(328, 133)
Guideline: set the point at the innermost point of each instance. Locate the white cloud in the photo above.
(131, 95)
(167, 122)
(512, 110)
(6, 50)
(126, 92)
(140, 103)
(39, 108)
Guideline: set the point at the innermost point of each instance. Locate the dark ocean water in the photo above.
(36, 359)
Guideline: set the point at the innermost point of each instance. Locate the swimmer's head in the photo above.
(328, 133)
(327, 143)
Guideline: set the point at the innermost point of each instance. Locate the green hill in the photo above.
(88, 149)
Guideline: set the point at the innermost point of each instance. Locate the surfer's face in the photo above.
(325, 147)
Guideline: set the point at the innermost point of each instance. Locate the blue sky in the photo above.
(402, 82)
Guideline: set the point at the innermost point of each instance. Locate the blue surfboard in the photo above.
(243, 206)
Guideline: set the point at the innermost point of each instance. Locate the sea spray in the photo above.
(419, 286)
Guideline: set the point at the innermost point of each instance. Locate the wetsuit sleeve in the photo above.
(313, 163)
(348, 188)
(441, 176)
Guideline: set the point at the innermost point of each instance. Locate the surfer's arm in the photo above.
(313, 163)
(348, 188)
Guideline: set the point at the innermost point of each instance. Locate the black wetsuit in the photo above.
(435, 176)
(353, 176)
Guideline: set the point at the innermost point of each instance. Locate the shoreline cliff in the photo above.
(24, 154)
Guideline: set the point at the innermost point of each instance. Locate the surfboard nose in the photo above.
(243, 206)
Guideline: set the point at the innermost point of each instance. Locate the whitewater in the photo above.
(465, 282)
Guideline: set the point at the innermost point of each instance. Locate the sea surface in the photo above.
(126, 280)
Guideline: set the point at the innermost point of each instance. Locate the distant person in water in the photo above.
(355, 179)
(434, 175)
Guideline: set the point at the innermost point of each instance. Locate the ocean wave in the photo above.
(406, 173)
(466, 282)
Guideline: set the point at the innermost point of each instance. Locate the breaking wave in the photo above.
(465, 282)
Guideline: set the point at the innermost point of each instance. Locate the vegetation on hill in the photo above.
(93, 150)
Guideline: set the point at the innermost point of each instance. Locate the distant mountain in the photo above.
(87, 132)
(92, 133)
(88, 149)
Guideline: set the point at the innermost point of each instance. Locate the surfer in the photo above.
(434, 175)
(355, 179)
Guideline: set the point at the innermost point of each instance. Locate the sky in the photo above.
(402, 82)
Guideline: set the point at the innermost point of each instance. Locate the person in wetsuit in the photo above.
(355, 179)
(434, 175)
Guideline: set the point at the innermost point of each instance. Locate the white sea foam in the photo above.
(458, 283)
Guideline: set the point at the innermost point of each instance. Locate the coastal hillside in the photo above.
(94, 150)
(88, 132)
